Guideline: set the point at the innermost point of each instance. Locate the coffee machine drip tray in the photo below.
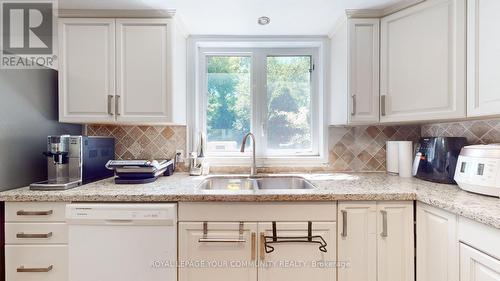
(54, 185)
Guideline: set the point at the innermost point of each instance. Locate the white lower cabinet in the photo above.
(437, 245)
(298, 261)
(376, 240)
(215, 255)
(36, 262)
(477, 266)
(357, 241)
(36, 240)
(225, 254)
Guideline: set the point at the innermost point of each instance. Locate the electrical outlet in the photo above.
(181, 156)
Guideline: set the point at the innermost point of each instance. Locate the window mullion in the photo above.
(260, 111)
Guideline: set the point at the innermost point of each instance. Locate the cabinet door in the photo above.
(363, 69)
(298, 261)
(422, 74)
(477, 266)
(222, 261)
(86, 70)
(483, 58)
(143, 55)
(395, 241)
(357, 241)
(437, 244)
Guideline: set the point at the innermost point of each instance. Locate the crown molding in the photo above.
(84, 13)
(379, 13)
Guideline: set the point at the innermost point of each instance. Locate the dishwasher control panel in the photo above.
(123, 212)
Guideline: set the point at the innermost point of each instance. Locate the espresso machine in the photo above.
(76, 160)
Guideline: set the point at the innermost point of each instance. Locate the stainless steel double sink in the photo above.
(255, 183)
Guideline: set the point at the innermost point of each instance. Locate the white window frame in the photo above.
(258, 49)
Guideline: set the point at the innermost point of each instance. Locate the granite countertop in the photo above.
(328, 187)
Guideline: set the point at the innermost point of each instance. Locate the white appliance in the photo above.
(478, 169)
(126, 242)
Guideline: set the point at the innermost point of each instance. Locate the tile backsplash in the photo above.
(359, 148)
(476, 131)
(143, 142)
(362, 148)
(351, 149)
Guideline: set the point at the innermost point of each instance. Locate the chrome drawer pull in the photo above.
(35, 269)
(34, 235)
(35, 213)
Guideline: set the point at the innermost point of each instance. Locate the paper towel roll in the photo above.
(405, 159)
(392, 157)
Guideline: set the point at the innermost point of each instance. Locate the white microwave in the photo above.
(478, 169)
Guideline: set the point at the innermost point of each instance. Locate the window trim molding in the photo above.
(196, 45)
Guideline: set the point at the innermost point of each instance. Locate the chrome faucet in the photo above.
(253, 169)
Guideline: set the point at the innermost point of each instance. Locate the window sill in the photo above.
(292, 161)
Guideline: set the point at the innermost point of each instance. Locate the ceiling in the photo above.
(239, 17)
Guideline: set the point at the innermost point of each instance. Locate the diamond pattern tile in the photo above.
(476, 131)
(143, 142)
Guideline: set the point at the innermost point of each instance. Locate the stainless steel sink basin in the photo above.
(263, 183)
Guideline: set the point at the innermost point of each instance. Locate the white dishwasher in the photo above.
(126, 242)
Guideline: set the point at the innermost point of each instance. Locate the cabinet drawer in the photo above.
(36, 233)
(35, 211)
(36, 263)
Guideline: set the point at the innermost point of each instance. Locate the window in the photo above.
(272, 92)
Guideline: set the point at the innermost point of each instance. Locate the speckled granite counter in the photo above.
(328, 187)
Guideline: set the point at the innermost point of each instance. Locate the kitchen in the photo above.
(235, 140)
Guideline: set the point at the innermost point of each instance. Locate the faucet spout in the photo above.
(253, 169)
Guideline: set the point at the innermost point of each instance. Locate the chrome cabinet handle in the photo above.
(35, 269)
(383, 100)
(117, 105)
(110, 101)
(344, 223)
(34, 235)
(353, 112)
(34, 213)
(384, 223)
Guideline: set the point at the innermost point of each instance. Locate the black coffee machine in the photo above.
(436, 158)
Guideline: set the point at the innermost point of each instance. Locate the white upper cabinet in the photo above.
(142, 69)
(483, 58)
(422, 63)
(146, 84)
(87, 70)
(355, 72)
